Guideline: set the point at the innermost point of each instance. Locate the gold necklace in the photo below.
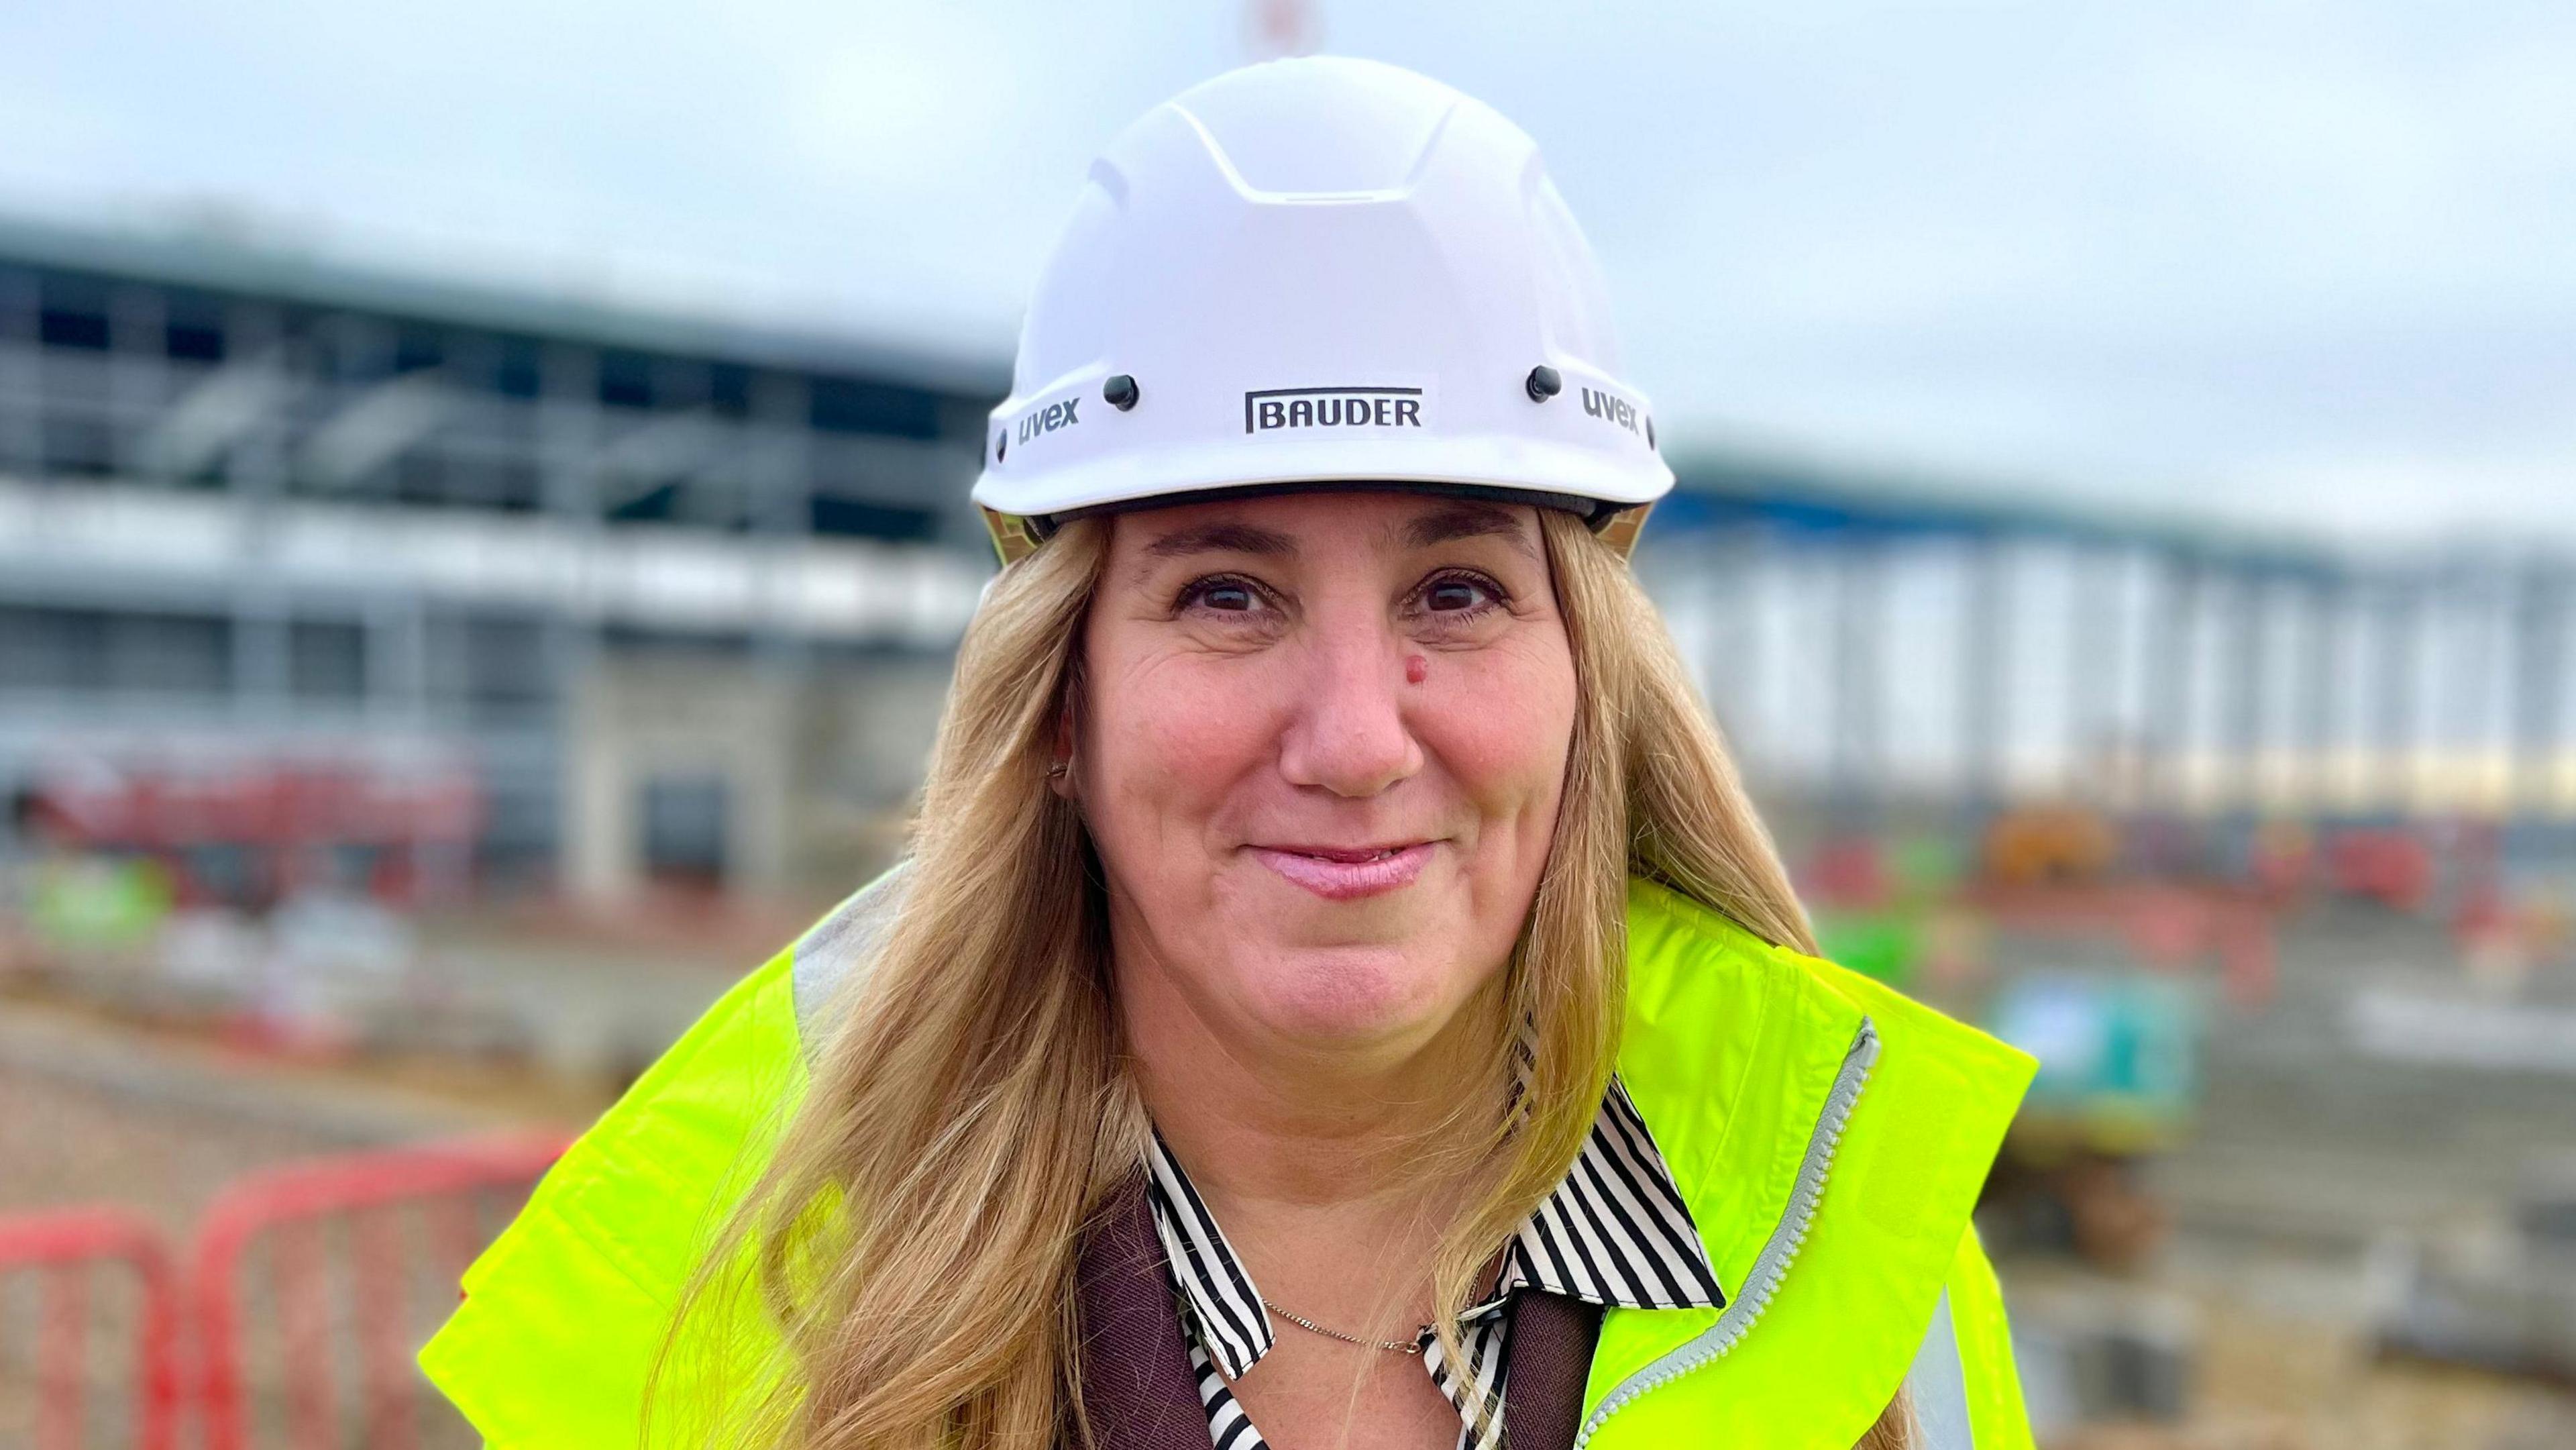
(1310, 1326)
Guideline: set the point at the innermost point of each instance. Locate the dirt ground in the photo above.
(157, 1122)
(96, 1110)
(2269, 1370)
(2272, 1386)
(2307, 1155)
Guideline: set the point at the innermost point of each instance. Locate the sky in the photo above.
(2302, 266)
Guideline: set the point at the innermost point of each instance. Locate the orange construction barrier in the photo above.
(291, 1213)
(69, 1247)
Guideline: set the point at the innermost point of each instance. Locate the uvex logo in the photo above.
(1272, 408)
(1049, 418)
(1610, 409)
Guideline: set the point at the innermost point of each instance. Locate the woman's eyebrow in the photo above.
(1468, 521)
(1222, 538)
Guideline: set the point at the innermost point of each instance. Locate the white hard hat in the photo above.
(1317, 272)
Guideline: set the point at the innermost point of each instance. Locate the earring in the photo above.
(1058, 770)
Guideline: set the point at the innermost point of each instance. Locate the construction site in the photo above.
(419, 699)
(420, 704)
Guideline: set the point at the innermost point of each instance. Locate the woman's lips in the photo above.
(1346, 875)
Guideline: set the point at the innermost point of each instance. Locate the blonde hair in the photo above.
(912, 1239)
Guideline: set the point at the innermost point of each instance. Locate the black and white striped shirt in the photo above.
(1615, 1232)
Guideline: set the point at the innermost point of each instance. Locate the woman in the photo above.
(1340, 995)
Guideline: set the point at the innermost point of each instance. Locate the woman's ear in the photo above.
(1060, 771)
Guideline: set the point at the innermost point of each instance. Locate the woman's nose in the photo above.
(1349, 734)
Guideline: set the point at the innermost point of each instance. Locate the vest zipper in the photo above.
(1770, 1264)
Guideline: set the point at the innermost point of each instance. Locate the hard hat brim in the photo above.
(1015, 536)
(1528, 465)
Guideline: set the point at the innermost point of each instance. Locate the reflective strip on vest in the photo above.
(1988, 1381)
(837, 948)
(1939, 1386)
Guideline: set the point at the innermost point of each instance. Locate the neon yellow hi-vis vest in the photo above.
(1828, 1134)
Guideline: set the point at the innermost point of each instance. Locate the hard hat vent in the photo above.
(1357, 127)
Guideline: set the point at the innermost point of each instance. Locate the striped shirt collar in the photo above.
(1614, 1232)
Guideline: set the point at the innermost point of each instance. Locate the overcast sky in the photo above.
(2311, 264)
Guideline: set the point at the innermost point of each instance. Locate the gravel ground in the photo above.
(91, 1112)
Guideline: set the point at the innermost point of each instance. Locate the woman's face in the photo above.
(1320, 748)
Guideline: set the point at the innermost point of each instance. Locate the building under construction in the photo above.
(1870, 640)
(306, 569)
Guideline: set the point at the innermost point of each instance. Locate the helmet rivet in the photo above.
(1121, 392)
(1544, 383)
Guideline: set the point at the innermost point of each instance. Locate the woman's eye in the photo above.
(1455, 595)
(1230, 596)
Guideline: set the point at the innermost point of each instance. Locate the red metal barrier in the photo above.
(288, 1208)
(68, 1246)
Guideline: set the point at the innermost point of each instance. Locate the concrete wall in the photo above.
(819, 762)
